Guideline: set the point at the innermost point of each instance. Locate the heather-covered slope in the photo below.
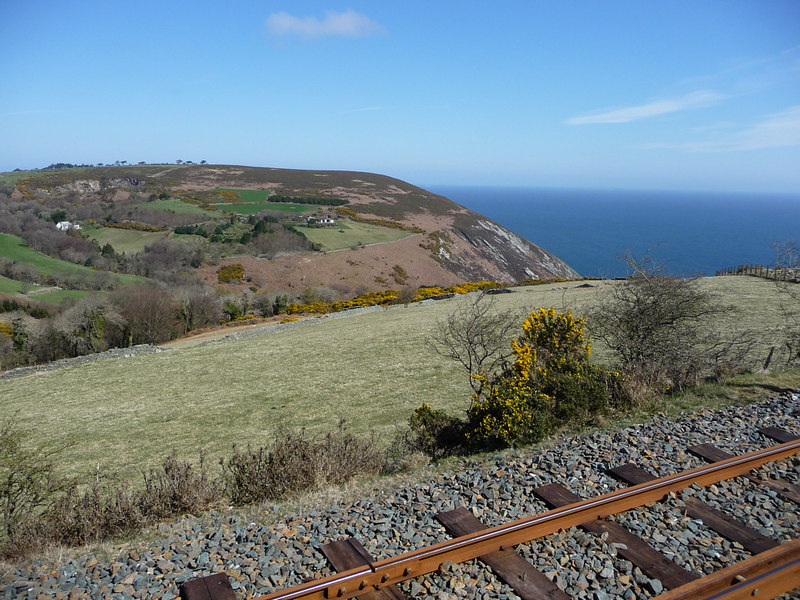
(446, 242)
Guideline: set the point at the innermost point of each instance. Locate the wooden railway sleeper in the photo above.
(425, 560)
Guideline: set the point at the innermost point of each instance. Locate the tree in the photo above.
(58, 215)
(198, 307)
(478, 336)
(90, 326)
(661, 328)
(151, 315)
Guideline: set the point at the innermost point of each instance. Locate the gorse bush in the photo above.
(233, 273)
(546, 383)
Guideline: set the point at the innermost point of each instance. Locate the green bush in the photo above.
(434, 432)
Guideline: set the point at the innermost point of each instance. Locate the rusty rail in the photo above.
(393, 570)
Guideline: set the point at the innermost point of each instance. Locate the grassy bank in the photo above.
(373, 369)
(14, 248)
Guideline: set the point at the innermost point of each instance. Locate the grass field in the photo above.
(179, 207)
(57, 296)
(256, 207)
(349, 233)
(123, 240)
(10, 286)
(373, 369)
(48, 295)
(12, 177)
(14, 248)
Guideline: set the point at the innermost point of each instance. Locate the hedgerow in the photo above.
(134, 226)
(387, 297)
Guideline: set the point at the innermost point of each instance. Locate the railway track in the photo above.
(772, 569)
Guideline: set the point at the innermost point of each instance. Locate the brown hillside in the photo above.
(456, 244)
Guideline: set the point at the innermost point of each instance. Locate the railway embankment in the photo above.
(282, 547)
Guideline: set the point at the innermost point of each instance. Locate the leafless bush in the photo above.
(85, 514)
(478, 336)
(29, 485)
(295, 463)
(177, 487)
(661, 327)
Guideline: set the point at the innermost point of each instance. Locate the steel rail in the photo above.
(765, 575)
(426, 560)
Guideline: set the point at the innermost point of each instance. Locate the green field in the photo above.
(48, 295)
(180, 207)
(254, 201)
(56, 296)
(12, 177)
(124, 240)
(14, 248)
(349, 233)
(372, 369)
(10, 286)
(257, 207)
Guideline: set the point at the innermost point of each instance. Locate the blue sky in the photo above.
(689, 95)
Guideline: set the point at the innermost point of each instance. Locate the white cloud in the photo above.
(778, 130)
(348, 23)
(697, 99)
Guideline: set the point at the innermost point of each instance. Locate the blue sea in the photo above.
(690, 233)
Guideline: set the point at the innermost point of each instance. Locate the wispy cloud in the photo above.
(348, 24)
(656, 108)
(777, 130)
(754, 75)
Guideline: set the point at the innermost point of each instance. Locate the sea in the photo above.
(688, 233)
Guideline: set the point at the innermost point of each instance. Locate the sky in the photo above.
(680, 94)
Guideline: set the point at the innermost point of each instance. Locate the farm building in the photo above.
(66, 226)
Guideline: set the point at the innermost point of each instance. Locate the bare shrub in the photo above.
(662, 328)
(177, 487)
(296, 463)
(478, 336)
(29, 485)
(86, 514)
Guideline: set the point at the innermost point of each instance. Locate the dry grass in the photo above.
(373, 369)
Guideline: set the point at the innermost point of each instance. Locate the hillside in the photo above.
(371, 367)
(434, 240)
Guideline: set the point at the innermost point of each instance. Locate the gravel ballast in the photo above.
(264, 557)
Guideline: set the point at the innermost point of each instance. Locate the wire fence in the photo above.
(776, 273)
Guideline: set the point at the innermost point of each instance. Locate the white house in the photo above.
(66, 225)
(321, 221)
